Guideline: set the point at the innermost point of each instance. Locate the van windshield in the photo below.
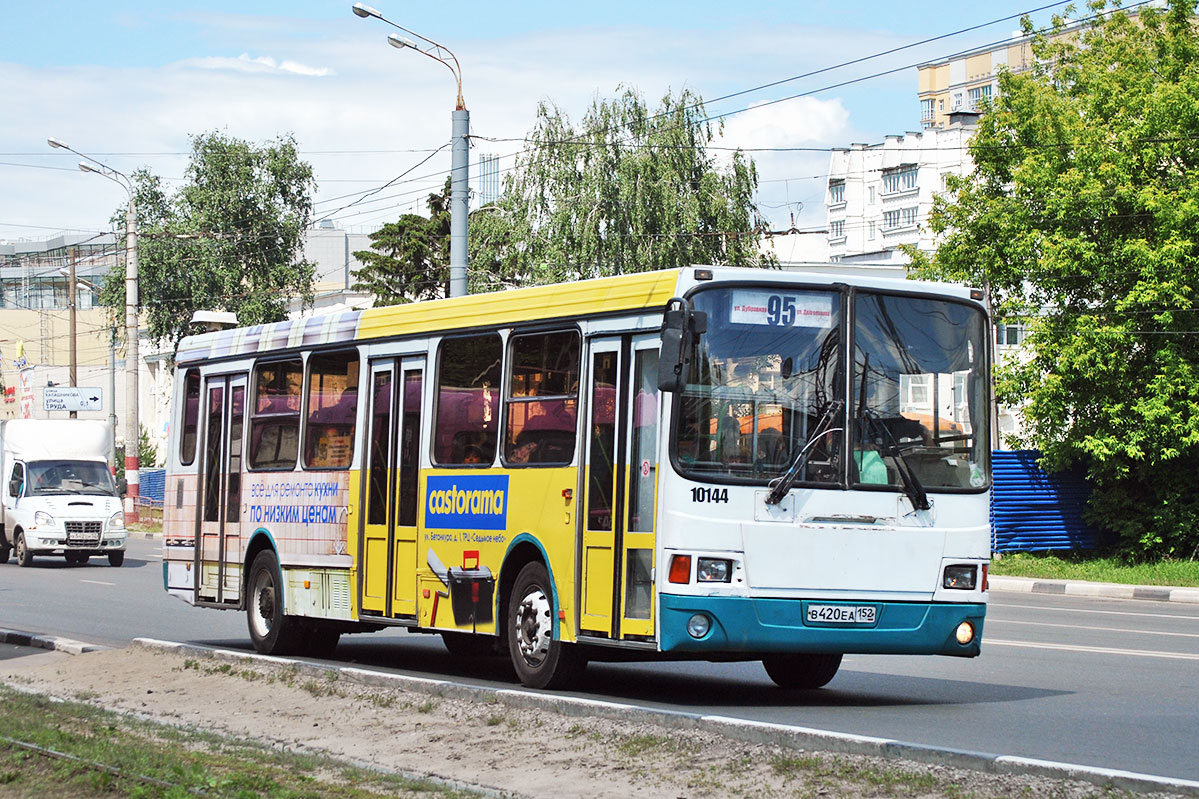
(69, 477)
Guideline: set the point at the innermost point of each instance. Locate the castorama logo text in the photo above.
(467, 502)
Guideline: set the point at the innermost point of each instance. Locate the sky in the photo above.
(129, 82)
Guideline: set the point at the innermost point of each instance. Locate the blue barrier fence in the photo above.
(1035, 511)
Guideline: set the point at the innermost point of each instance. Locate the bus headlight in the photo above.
(117, 521)
(43, 519)
(713, 570)
(963, 578)
(698, 625)
(965, 633)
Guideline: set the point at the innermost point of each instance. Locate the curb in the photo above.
(737, 729)
(1029, 585)
(68, 645)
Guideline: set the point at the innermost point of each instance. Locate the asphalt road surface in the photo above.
(1107, 683)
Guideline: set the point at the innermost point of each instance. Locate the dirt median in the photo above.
(517, 751)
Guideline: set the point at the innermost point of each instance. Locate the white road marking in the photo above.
(1098, 650)
(1103, 612)
(97, 582)
(991, 621)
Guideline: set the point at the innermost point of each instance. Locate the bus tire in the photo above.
(24, 556)
(5, 549)
(540, 660)
(271, 632)
(468, 645)
(114, 558)
(802, 670)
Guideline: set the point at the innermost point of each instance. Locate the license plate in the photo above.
(841, 614)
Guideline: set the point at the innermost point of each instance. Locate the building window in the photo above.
(899, 218)
(870, 190)
(872, 230)
(979, 95)
(1009, 335)
(901, 178)
(836, 192)
(836, 230)
(927, 111)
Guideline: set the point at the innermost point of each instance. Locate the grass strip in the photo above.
(72, 750)
(1093, 567)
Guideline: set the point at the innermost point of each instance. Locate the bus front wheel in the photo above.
(803, 671)
(272, 632)
(541, 661)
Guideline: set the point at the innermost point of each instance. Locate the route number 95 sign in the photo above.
(782, 309)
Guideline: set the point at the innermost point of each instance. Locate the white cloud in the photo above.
(262, 63)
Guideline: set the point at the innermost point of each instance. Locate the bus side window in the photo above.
(275, 426)
(542, 412)
(468, 399)
(191, 417)
(332, 410)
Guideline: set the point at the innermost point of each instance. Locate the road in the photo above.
(1107, 683)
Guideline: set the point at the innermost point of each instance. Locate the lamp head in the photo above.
(364, 11)
(399, 42)
(84, 166)
(53, 142)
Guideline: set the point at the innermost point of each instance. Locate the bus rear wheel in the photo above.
(541, 661)
(802, 670)
(271, 632)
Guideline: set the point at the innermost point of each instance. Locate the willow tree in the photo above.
(627, 190)
(1082, 218)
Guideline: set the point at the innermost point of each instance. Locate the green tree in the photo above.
(409, 258)
(230, 238)
(626, 191)
(1082, 218)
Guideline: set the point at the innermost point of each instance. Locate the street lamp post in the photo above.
(460, 159)
(132, 428)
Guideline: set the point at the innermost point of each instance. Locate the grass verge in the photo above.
(1092, 567)
(71, 750)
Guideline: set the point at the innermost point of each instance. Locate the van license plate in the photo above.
(841, 614)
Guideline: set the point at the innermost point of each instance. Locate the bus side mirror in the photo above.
(681, 327)
(14, 487)
(122, 487)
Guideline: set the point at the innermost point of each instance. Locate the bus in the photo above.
(706, 463)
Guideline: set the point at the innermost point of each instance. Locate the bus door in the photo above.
(620, 472)
(219, 554)
(387, 543)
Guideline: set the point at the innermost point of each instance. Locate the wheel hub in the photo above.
(534, 627)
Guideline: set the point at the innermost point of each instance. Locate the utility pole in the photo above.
(74, 374)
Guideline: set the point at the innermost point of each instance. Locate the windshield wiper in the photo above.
(889, 447)
(780, 485)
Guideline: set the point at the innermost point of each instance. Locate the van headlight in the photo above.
(43, 519)
(117, 521)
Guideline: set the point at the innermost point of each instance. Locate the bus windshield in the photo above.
(70, 477)
(763, 377)
(766, 391)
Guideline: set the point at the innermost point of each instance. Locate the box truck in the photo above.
(58, 491)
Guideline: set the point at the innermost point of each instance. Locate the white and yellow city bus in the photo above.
(701, 463)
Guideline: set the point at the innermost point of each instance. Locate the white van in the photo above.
(59, 495)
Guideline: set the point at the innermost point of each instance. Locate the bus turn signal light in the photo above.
(680, 569)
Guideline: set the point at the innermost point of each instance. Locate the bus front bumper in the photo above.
(760, 626)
